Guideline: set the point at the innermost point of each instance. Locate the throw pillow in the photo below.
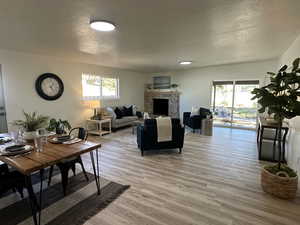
(127, 111)
(123, 111)
(111, 112)
(195, 111)
(119, 113)
(134, 109)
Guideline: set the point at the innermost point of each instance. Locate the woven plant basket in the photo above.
(279, 186)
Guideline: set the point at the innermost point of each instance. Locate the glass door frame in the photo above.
(234, 83)
(3, 119)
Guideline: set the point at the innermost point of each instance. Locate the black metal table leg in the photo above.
(98, 168)
(32, 199)
(96, 172)
(260, 142)
(41, 194)
(258, 133)
(276, 137)
(283, 144)
(34, 204)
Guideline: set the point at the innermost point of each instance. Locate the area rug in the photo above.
(80, 204)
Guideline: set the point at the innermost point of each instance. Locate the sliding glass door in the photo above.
(232, 104)
(222, 102)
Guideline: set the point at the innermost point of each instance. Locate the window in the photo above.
(96, 87)
(109, 88)
(232, 104)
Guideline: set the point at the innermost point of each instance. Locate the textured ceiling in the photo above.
(154, 35)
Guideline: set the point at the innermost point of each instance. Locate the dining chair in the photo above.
(70, 164)
(11, 180)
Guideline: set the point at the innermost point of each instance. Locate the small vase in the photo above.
(60, 129)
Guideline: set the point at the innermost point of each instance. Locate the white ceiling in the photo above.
(151, 35)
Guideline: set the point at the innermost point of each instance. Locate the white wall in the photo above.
(20, 71)
(195, 85)
(293, 152)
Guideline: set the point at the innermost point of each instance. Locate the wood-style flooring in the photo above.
(215, 181)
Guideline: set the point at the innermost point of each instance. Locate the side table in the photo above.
(95, 126)
(207, 127)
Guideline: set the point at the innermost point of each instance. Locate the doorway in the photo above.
(3, 122)
(232, 105)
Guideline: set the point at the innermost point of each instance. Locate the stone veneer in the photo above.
(172, 96)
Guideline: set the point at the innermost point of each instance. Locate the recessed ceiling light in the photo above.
(102, 25)
(185, 62)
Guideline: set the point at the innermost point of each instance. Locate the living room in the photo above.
(176, 139)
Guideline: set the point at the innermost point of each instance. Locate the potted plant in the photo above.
(31, 124)
(59, 126)
(280, 98)
(174, 86)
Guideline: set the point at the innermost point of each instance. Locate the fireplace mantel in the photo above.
(172, 95)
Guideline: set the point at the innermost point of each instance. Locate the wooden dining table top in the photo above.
(51, 154)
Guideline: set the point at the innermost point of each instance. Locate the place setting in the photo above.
(64, 139)
(15, 144)
(12, 145)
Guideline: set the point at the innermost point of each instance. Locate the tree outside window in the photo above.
(96, 87)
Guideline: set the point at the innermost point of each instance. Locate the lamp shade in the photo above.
(92, 104)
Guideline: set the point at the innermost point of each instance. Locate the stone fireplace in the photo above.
(156, 100)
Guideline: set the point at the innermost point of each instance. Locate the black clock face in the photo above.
(49, 86)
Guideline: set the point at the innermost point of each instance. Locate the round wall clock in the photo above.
(49, 86)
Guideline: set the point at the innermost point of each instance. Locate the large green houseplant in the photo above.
(281, 99)
(31, 123)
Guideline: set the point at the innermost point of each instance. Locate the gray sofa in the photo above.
(122, 122)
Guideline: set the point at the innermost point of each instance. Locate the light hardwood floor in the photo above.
(216, 181)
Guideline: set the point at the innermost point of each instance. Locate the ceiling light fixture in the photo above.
(185, 62)
(102, 25)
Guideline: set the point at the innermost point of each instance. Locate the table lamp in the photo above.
(93, 104)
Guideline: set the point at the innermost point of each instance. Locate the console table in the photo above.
(262, 125)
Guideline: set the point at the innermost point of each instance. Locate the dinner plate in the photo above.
(56, 140)
(15, 148)
(4, 140)
(26, 149)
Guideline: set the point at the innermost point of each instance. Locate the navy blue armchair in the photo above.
(194, 121)
(147, 136)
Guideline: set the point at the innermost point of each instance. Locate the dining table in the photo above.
(51, 154)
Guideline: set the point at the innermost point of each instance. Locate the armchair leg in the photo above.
(73, 168)
(64, 176)
(83, 169)
(142, 153)
(20, 190)
(180, 150)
